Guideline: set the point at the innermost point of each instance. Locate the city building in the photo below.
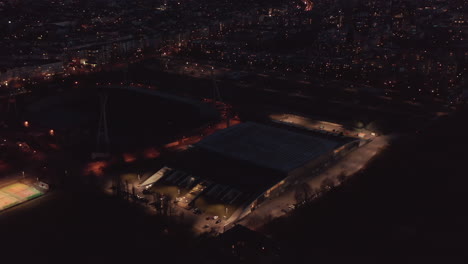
(231, 172)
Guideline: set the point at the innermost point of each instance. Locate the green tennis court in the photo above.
(16, 193)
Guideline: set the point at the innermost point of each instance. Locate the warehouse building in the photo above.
(233, 171)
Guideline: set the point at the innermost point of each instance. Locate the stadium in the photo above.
(231, 172)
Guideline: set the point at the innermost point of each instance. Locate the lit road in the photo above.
(349, 165)
(318, 125)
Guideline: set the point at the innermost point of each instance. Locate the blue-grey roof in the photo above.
(268, 147)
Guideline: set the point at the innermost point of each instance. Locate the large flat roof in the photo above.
(269, 147)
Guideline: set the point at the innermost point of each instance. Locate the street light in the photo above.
(26, 124)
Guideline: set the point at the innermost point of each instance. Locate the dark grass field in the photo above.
(133, 119)
(75, 226)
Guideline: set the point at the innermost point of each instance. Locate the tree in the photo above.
(327, 184)
(342, 177)
(303, 194)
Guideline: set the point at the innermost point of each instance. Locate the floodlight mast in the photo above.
(103, 141)
(217, 98)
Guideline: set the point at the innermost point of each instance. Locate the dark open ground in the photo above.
(409, 206)
(76, 227)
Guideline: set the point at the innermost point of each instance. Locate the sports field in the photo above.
(16, 193)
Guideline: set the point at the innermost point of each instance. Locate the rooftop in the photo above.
(267, 147)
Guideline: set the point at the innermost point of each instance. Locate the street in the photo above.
(349, 165)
